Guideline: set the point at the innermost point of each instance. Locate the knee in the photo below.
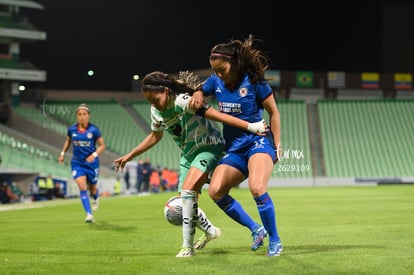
(214, 194)
(256, 191)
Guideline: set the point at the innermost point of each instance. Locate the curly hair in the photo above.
(157, 80)
(244, 57)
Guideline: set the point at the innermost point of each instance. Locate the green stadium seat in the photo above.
(367, 138)
(20, 155)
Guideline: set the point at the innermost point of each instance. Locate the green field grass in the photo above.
(324, 230)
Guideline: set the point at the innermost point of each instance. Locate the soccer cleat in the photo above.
(258, 237)
(275, 249)
(89, 218)
(95, 204)
(204, 239)
(185, 252)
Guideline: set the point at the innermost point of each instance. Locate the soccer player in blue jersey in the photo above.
(199, 139)
(85, 136)
(240, 87)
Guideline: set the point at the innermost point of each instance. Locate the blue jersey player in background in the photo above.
(241, 90)
(85, 137)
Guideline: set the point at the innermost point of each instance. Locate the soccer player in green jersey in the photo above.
(199, 139)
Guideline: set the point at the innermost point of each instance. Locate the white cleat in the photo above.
(185, 252)
(205, 238)
(89, 218)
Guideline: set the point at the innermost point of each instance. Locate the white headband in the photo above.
(83, 107)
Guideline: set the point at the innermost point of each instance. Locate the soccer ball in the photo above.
(173, 211)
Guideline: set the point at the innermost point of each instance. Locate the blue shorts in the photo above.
(88, 169)
(239, 158)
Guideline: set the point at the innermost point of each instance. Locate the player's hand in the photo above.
(197, 100)
(120, 163)
(90, 158)
(259, 128)
(183, 101)
(61, 159)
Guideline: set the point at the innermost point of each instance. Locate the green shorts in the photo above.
(204, 161)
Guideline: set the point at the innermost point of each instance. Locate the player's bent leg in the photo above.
(210, 232)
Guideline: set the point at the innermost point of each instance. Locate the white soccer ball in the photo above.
(173, 211)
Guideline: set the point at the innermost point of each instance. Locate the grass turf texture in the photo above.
(324, 230)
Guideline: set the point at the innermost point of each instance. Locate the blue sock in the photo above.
(268, 216)
(96, 196)
(235, 211)
(85, 201)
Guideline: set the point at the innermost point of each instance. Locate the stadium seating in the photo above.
(114, 122)
(296, 160)
(43, 119)
(167, 144)
(18, 154)
(367, 138)
(120, 131)
(143, 108)
(357, 138)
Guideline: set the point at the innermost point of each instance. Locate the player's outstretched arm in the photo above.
(184, 102)
(153, 138)
(259, 128)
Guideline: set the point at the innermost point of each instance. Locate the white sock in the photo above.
(204, 224)
(188, 198)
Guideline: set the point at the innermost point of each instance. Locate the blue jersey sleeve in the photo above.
(96, 133)
(71, 129)
(263, 91)
(209, 85)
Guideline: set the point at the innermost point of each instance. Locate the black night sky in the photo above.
(120, 38)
